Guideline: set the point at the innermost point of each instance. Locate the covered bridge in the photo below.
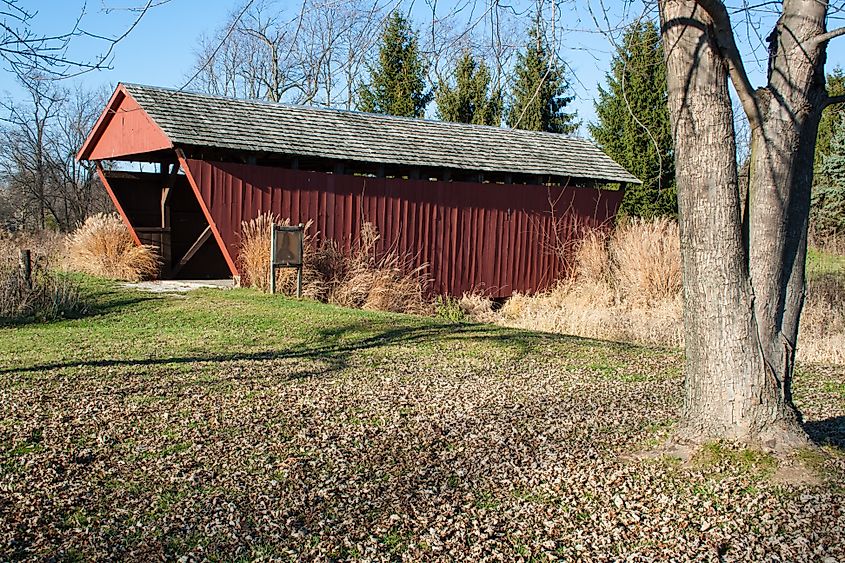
(485, 208)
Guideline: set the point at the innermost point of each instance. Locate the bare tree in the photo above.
(313, 55)
(744, 255)
(43, 184)
(28, 53)
(25, 146)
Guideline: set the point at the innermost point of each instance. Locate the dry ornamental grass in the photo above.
(627, 288)
(102, 246)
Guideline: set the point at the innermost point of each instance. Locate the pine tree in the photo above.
(828, 203)
(633, 122)
(540, 91)
(397, 81)
(831, 117)
(471, 99)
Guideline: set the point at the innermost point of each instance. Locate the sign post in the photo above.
(287, 251)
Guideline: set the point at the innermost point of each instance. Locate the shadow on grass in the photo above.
(827, 432)
(333, 346)
(336, 345)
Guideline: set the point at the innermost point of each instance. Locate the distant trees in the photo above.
(397, 84)
(633, 122)
(316, 57)
(540, 91)
(472, 98)
(827, 206)
(828, 200)
(367, 55)
(831, 116)
(41, 183)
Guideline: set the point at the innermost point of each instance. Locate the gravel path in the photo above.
(460, 453)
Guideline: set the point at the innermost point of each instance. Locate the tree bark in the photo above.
(743, 261)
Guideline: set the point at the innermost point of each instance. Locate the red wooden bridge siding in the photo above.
(473, 236)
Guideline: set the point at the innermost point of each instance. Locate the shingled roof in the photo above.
(202, 120)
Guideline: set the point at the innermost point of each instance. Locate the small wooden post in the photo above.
(25, 259)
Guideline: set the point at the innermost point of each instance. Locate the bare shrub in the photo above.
(477, 307)
(384, 282)
(646, 260)
(47, 295)
(362, 278)
(47, 247)
(102, 246)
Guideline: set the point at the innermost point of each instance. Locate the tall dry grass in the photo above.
(645, 261)
(362, 278)
(102, 246)
(627, 286)
(821, 335)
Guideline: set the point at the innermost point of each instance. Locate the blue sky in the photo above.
(161, 50)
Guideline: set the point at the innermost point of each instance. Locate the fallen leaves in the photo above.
(460, 454)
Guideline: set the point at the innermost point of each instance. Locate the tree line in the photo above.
(351, 55)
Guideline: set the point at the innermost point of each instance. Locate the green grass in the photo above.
(719, 456)
(821, 263)
(192, 332)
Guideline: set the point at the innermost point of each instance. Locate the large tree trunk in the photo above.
(743, 261)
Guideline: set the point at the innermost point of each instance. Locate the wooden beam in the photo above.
(204, 236)
(166, 238)
(165, 193)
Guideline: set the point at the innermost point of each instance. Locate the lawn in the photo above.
(232, 425)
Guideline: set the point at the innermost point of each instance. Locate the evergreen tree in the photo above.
(471, 99)
(831, 117)
(540, 91)
(397, 81)
(828, 203)
(633, 122)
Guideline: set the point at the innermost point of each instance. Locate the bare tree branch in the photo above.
(28, 53)
(829, 35)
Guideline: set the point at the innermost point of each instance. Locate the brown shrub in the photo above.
(477, 307)
(102, 246)
(384, 282)
(627, 287)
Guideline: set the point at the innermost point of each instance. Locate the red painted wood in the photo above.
(471, 236)
(117, 204)
(123, 129)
